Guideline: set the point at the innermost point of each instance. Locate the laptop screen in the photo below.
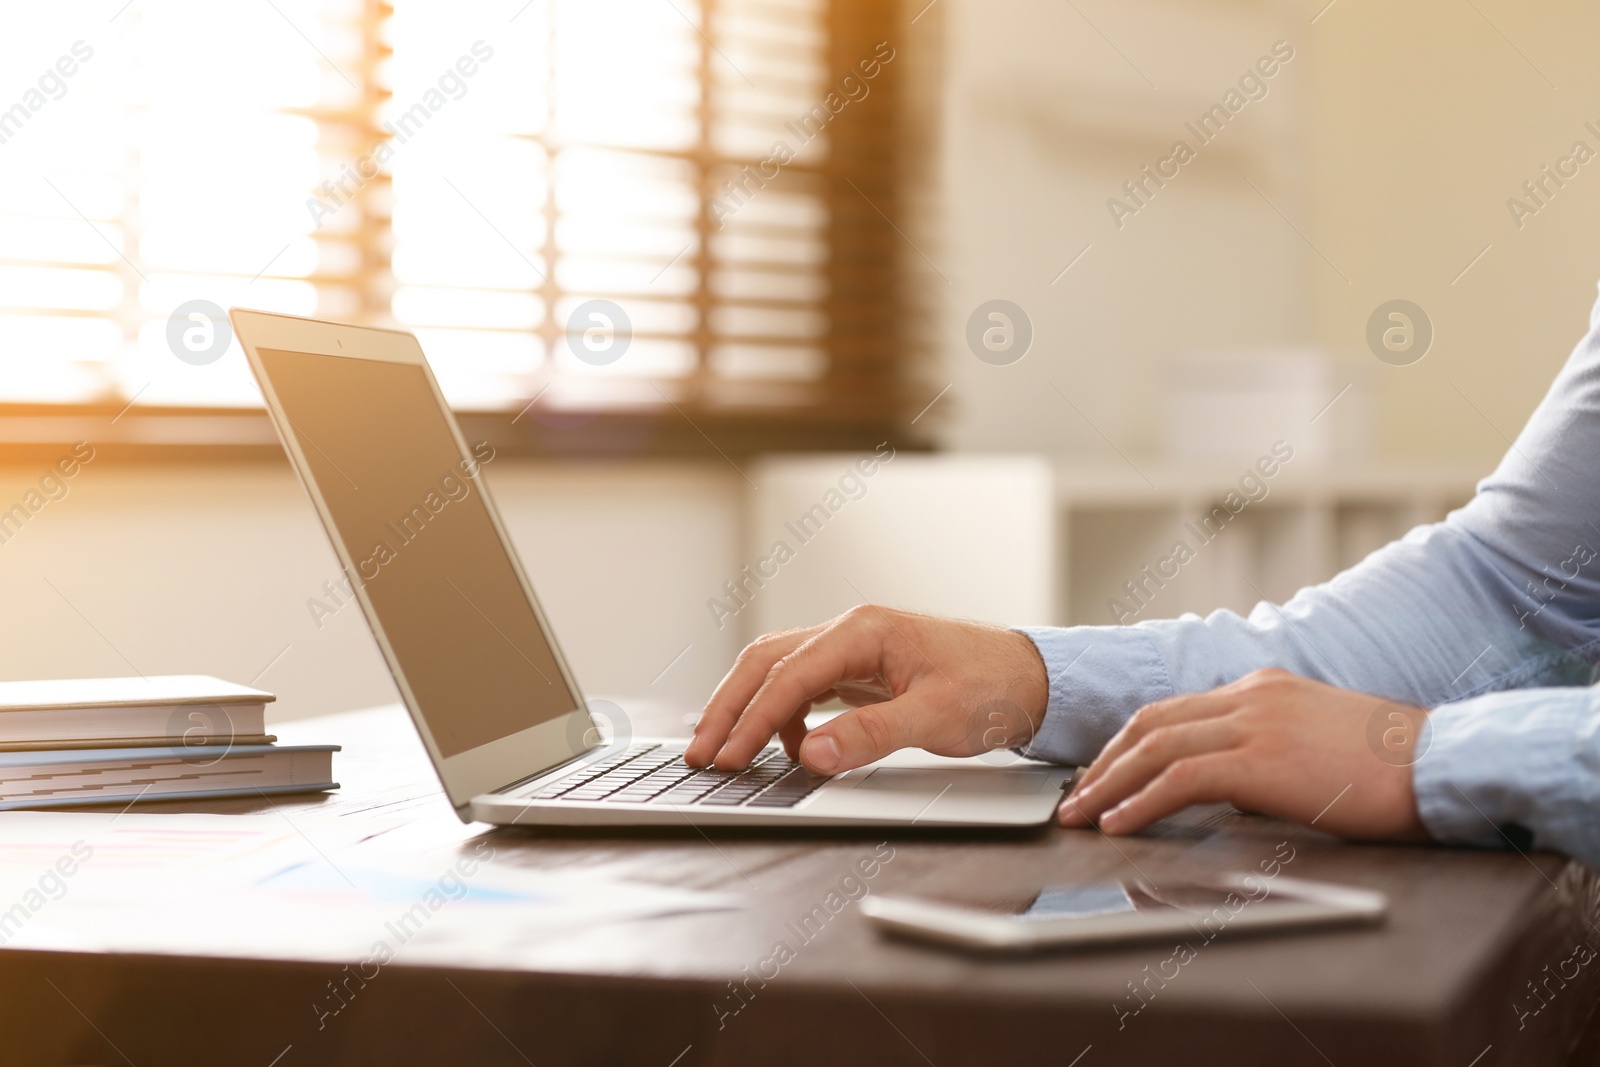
(409, 509)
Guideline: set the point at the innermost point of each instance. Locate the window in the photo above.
(480, 172)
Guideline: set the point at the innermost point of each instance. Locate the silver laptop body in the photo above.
(476, 661)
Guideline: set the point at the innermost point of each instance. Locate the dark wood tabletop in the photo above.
(1483, 961)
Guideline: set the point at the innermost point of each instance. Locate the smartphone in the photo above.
(1113, 913)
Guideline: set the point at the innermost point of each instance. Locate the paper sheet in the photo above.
(264, 886)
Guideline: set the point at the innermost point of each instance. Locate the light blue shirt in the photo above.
(1491, 618)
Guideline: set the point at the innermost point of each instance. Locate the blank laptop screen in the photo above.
(411, 515)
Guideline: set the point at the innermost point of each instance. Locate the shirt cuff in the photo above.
(1099, 676)
(1519, 768)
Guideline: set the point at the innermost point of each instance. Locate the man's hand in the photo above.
(1272, 742)
(953, 688)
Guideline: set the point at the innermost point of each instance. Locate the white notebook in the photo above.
(174, 709)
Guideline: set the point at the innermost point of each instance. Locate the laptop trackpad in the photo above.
(965, 780)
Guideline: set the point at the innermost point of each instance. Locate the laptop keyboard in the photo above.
(656, 774)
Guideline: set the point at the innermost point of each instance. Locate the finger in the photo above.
(1158, 750)
(733, 694)
(1167, 712)
(1200, 780)
(862, 735)
(793, 733)
(848, 648)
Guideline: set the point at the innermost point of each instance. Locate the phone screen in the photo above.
(1114, 898)
(1097, 899)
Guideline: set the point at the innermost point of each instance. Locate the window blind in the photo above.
(705, 186)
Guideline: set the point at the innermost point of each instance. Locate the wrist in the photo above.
(1415, 829)
(1031, 684)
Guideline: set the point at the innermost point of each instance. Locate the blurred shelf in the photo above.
(1140, 482)
(1120, 524)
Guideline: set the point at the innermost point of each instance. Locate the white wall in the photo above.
(1388, 147)
(1428, 119)
(208, 570)
(1043, 121)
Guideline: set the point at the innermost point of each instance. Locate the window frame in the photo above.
(863, 398)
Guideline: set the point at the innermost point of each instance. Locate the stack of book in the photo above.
(117, 740)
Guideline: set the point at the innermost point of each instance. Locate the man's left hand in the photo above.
(1271, 742)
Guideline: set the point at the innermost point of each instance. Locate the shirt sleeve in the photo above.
(1428, 620)
(1519, 768)
(1492, 618)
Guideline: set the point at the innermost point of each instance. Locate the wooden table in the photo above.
(1447, 981)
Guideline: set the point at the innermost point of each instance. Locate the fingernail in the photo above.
(1111, 820)
(1070, 815)
(821, 753)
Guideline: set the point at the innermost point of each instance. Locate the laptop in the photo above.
(426, 555)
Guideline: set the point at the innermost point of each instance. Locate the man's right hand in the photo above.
(953, 688)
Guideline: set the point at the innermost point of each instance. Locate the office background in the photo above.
(1376, 165)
